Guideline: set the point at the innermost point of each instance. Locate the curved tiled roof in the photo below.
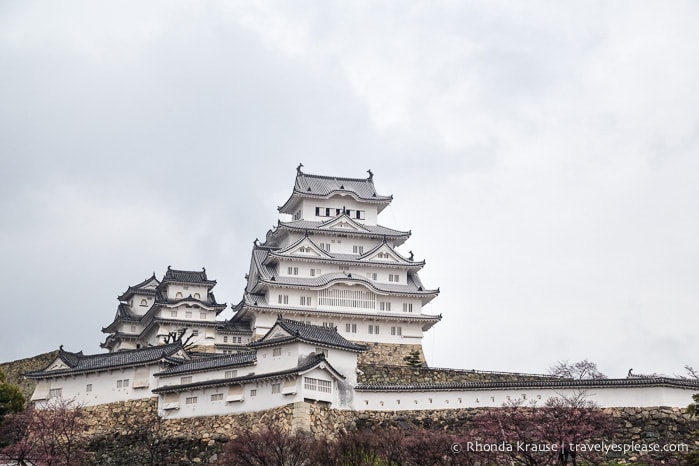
(413, 286)
(375, 231)
(315, 334)
(522, 384)
(324, 187)
(245, 358)
(78, 362)
(139, 288)
(305, 366)
(187, 276)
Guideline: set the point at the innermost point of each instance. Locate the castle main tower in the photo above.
(333, 264)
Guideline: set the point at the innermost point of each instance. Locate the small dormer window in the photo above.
(197, 296)
(178, 294)
(144, 302)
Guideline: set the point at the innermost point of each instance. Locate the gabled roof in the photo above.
(344, 223)
(267, 276)
(370, 231)
(187, 276)
(324, 187)
(286, 330)
(146, 287)
(303, 241)
(245, 358)
(123, 314)
(78, 362)
(303, 367)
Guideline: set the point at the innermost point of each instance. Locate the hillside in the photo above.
(14, 370)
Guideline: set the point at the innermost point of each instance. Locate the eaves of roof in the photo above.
(525, 384)
(298, 370)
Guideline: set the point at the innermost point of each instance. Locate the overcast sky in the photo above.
(544, 154)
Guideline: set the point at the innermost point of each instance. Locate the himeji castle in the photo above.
(334, 265)
(329, 295)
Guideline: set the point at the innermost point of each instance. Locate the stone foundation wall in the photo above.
(661, 425)
(117, 427)
(388, 353)
(389, 374)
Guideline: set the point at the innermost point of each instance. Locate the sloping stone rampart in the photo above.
(387, 353)
(392, 374)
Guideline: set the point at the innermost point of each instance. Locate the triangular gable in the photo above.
(344, 223)
(150, 284)
(275, 332)
(323, 367)
(305, 247)
(383, 253)
(57, 364)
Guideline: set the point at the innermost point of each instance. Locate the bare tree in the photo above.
(550, 434)
(579, 370)
(51, 436)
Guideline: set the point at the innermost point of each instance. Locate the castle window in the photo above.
(325, 246)
(322, 351)
(351, 328)
(293, 271)
(338, 297)
(371, 275)
(216, 396)
(358, 249)
(283, 299)
(253, 393)
(197, 296)
(178, 294)
(188, 314)
(407, 307)
(315, 272)
(327, 211)
(184, 380)
(319, 385)
(225, 339)
(195, 333)
(202, 315)
(88, 387)
(344, 267)
(144, 302)
(317, 211)
(393, 277)
(55, 392)
(276, 388)
(276, 352)
(123, 383)
(397, 331)
(173, 313)
(240, 339)
(231, 374)
(190, 400)
(373, 329)
(384, 306)
(305, 300)
(359, 215)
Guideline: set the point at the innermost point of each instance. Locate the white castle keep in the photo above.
(328, 293)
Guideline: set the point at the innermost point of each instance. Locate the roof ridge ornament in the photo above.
(371, 176)
(298, 169)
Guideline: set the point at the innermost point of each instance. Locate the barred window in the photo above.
(339, 297)
(216, 396)
(318, 385)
